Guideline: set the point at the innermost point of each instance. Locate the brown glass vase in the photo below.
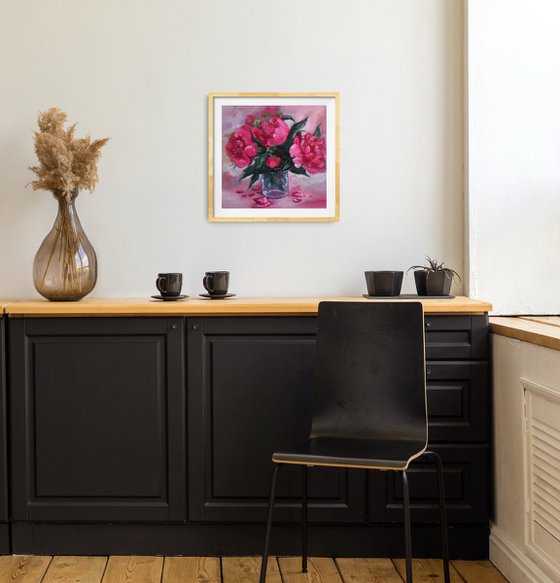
(65, 266)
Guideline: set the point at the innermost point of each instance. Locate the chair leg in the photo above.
(407, 529)
(443, 515)
(304, 519)
(264, 562)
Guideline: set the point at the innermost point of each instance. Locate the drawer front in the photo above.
(458, 401)
(467, 492)
(456, 337)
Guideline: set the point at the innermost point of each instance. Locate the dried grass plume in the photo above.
(66, 164)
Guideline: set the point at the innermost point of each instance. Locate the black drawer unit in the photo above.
(459, 414)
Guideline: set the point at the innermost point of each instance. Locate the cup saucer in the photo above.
(217, 296)
(169, 298)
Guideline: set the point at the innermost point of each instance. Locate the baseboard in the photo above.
(513, 562)
(241, 539)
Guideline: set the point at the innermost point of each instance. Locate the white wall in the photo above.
(514, 154)
(140, 71)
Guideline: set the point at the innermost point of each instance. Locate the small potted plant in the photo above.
(433, 279)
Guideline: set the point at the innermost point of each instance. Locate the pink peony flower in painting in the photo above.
(273, 161)
(271, 111)
(271, 133)
(309, 152)
(240, 147)
(280, 150)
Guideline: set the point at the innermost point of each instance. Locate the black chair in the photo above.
(369, 407)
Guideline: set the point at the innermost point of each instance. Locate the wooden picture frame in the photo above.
(273, 157)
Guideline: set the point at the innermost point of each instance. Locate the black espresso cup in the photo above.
(216, 283)
(169, 284)
(384, 283)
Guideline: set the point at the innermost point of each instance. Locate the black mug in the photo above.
(216, 283)
(169, 284)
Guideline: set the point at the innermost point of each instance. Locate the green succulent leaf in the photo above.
(432, 266)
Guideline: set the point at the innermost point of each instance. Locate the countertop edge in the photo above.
(195, 307)
(530, 331)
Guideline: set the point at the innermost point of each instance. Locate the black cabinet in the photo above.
(457, 380)
(249, 393)
(98, 422)
(250, 382)
(154, 435)
(4, 516)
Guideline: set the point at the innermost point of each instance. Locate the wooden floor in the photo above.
(234, 570)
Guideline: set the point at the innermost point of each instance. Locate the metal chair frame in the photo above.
(406, 510)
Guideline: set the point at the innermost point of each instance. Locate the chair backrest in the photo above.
(370, 371)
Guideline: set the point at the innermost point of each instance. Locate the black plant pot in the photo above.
(432, 283)
(420, 281)
(384, 283)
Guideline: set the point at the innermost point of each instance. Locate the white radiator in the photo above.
(542, 475)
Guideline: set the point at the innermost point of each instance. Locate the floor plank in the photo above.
(75, 570)
(132, 569)
(191, 570)
(319, 570)
(368, 571)
(23, 569)
(247, 570)
(427, 571)
(479, 572)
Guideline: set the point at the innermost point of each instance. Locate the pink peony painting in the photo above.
(274, 159)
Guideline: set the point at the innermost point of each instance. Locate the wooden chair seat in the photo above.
(367, 453)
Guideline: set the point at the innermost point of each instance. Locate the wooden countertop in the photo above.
(540, 330)
(239, 306)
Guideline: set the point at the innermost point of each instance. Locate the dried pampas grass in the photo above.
(66, 164)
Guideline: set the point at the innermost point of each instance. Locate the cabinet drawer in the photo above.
(458, 401)
(466, 488)
(456, 337)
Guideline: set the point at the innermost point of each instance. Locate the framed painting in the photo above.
(273, 157)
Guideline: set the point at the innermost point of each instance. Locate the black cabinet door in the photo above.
(3, 440)
(249, 384)
(98, 419)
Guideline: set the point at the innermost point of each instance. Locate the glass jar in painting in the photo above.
(275, 184)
